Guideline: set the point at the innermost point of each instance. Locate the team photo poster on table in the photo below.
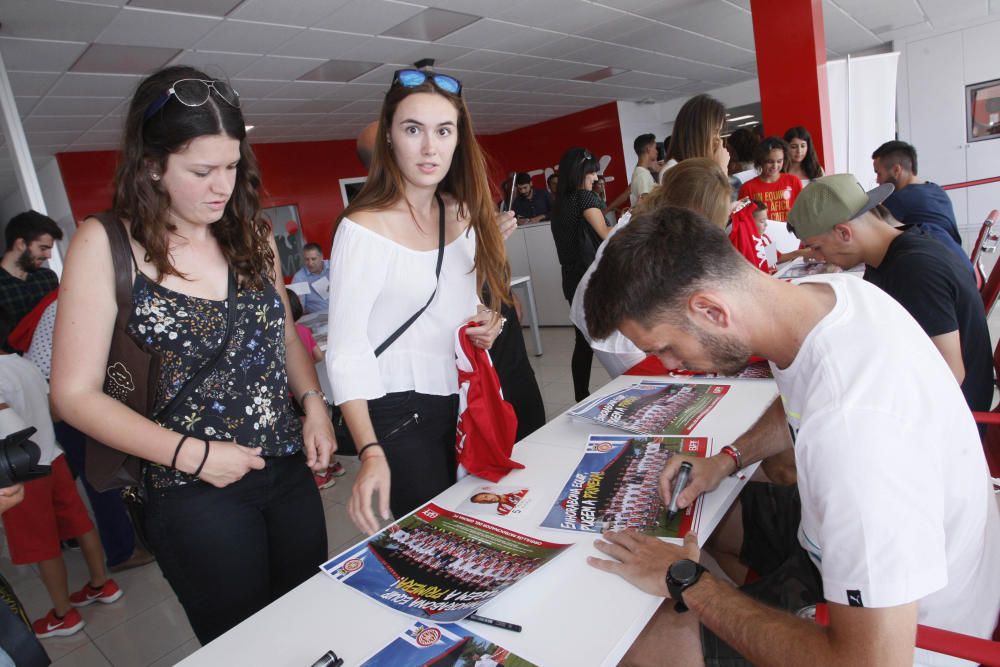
(652, 407)
(439, 565)
(616, 486)
(446, 645)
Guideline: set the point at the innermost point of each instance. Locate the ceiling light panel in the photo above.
(247, 36)
(116, 59)
(299, 12)
(431, 25)
(68, 22)
(206, 7)
(339, 70)
(30, 55)
(369, 17)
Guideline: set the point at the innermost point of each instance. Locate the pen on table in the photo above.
(329, 659)
(492, 621)
(680, 483)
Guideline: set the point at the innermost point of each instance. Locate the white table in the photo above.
(572, 614)
(525, 282)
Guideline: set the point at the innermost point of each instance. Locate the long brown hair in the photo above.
(697, 184)
(243, 234)
(696, 128)
(466, 181)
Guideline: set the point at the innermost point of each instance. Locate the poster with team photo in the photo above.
(494, 501)
(445, 645)
(757, 370)
(439, 565)
(616, 486)
(653, 407)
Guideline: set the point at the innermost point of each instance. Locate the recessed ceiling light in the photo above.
(431, 25)
(733, 120)
(248, 127)
(205, 7)
(339, 70)
(116, 59)
(598, 74)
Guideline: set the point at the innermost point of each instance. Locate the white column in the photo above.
(27, 179)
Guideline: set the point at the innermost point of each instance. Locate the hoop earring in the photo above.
(154, 176)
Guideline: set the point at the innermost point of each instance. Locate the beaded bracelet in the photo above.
(203, 459)
(177, 450)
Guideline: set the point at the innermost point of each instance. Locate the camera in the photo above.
(19, 459)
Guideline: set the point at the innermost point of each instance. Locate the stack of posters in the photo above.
(758, 370)
(652, 407)
(439, 565)
(616, 486)
(446, 645)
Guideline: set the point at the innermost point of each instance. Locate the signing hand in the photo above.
(642, 560)
(706, 475)
(488, 327)
(372, 478)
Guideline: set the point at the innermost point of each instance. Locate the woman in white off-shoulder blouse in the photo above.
(401, 406)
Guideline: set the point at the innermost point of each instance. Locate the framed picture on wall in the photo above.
(982, 110)
(287, 235)
(350, 187)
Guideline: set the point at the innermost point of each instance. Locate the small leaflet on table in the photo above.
(446, 645)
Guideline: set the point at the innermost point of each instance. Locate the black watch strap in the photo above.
(682, 575)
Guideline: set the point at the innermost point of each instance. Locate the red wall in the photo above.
(307, 173)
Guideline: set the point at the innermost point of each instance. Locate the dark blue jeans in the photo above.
(113, 524)
(230, 552)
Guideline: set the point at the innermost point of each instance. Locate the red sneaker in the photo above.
(324, 481)
(336, 469)
(106, 594)
(53, 626)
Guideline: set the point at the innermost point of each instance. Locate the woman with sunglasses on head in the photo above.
(802, 159)
(232, 511)
(397, 384)
(697, 132)
(578, 227)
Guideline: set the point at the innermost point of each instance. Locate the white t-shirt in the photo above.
(897, 503)
(24, 389)
(642, 183)
(375, 285)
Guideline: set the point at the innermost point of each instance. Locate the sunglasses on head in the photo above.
(194, 93)
(411, 78)
(586, 156)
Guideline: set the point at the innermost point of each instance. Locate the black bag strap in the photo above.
(124, 262)
(203, 372)
(437, 277)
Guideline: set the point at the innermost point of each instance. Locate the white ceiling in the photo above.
(518, 59)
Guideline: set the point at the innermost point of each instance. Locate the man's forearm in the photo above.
(768, 436)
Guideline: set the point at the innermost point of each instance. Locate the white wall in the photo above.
(934, 70)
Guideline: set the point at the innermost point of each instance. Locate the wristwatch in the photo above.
(682, 575)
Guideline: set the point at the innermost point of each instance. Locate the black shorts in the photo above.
(788, 578)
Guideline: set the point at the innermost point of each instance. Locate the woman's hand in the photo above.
(227, 462)
(507, 222)
(319, 442)
(373, 477)
(11, 496)
(488, 326)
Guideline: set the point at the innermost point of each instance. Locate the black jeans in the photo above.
(417, 432)
(230, 552)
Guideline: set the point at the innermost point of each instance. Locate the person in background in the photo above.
(314, 270)
(529, 205)
(741, 144)
(232, 511)
(600, 189)
(698, 133)
(552, 183)
(578, 227)
(402, 406)
(773, 188)
(328, 478)
(802, 159)
(642, 176)
(24, 280)
(916, 201)
(52, 510)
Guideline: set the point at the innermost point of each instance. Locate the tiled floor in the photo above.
(147, 627)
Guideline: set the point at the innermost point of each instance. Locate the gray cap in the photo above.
(832, 200)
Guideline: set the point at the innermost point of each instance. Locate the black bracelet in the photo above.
(203, 459)
(173, 461)
(363, 449)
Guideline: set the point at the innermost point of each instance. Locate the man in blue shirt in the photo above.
(916, 201)
(530, 205)
(316, 269)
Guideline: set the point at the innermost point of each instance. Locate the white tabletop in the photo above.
(571, 613)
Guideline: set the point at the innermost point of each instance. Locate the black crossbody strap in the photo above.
(437, 278)
(196, 379)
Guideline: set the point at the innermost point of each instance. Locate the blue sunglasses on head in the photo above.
(411, 78)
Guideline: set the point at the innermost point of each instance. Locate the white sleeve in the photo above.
(358, 269)
(875, 510)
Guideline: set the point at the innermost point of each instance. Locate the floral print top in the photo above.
(245, 398)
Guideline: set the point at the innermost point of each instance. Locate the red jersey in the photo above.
(779, 197)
